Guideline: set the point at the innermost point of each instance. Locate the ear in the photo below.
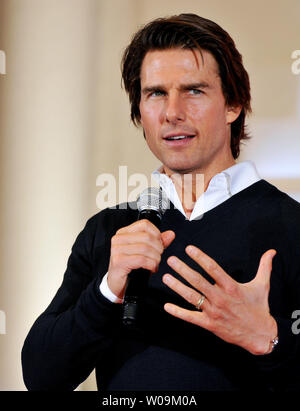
(232, 113)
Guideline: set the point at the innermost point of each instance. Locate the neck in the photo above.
(191, 185)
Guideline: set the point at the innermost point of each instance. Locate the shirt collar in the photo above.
(220, 188)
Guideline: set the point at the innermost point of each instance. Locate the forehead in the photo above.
(178, 64)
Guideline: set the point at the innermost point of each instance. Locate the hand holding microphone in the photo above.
(136, 252)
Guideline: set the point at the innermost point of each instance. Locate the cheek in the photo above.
(207, 115)
(146, 114)
(150, 117)
(199, 115)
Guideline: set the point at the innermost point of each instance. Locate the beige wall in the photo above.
(64, 120)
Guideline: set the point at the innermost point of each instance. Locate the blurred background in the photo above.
(64, 120)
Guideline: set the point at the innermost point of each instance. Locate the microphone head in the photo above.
(153, 198)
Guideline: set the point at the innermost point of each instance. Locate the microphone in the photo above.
(152, 203)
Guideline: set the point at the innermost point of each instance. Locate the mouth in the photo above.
(179, 141)
(179, 138)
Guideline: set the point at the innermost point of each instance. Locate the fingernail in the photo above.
(190, 249)
(172, 260)
(272, 253)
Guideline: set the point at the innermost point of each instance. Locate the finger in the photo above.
(140, 225)
(135, 261)
(137, 249)
(136, 238)
(211, 267)
(192, 276)
(265, 267)
(189, 294)
(167, 237)
(194, 317)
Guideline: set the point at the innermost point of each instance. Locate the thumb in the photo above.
(265, 267)
(167, 237)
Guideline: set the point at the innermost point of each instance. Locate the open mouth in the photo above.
(174, 138)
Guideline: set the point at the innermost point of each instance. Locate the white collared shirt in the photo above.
(220, 188)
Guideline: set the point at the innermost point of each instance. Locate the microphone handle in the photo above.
(137, 281)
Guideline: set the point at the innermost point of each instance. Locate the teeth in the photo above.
(177, 137)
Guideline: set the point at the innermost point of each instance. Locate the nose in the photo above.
(174, 109)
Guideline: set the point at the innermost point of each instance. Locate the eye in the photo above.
(156, 93)
(195, 91)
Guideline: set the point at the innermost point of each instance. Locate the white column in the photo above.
(45, 106)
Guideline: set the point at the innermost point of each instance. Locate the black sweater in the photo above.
(81, 329)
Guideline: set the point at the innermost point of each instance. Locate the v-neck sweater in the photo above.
(82, 330)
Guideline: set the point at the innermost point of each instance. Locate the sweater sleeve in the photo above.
(76, 330)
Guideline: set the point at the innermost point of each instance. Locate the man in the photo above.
(218, 309)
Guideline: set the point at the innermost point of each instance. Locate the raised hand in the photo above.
(237, 313)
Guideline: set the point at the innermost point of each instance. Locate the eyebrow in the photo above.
(188, 86)
(201, 84)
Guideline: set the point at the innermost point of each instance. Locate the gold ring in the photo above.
(200, 302)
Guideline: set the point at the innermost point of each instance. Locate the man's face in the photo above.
(182, 96)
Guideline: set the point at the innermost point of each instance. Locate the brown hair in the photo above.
(191, 31)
